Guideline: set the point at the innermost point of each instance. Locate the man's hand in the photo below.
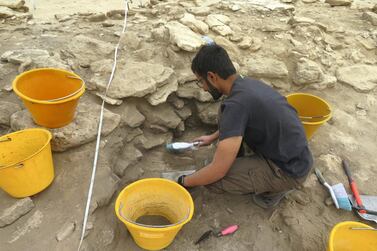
(225, 155)
(207, 139)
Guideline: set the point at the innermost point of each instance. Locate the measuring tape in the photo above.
(90, 192)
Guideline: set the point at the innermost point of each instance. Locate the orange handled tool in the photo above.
(353, 186)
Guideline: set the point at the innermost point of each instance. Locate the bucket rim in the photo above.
(47, 132)
(151, 229)
(327, 117)
(78, 93)
(339, 225)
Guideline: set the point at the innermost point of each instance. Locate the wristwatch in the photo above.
(181, 180)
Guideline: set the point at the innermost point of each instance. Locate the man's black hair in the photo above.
(212, 58)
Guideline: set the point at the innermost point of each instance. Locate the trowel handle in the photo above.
(228, 230)
(320, 176)
(353, 186)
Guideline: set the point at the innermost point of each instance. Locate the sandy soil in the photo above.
(300, 222)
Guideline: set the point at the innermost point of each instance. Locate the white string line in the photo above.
(90, 192)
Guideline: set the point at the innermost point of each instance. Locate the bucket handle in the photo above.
(19, 165)
(316, 117)
(150, 226)
(72, 94)
(5, 140)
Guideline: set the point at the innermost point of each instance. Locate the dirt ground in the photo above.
(302, 221)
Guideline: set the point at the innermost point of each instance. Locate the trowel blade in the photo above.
(369, 202)
(175, 175)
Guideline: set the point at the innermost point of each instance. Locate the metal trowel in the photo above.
(370, 204)
(175, 175)
(180, 147)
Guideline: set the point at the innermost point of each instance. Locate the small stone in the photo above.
(132, 133)
(13, 4)
(223, 30)
(109, 100)
(339, 2)
(328, 201)
(217, 20)
(6, 111)
(329, 81)
(66, 230)
(236, 38)
(194, 24)
(149, 140)
(199, 11)
(97, 17)
(235, 7)
(108, 24)
(300, 197)
(132, 116)
(368, 43)
(184, 113)
(162, 115)
(13, 213)
(295, 20)
(176, 102)
(63, 18)
(246, 43)
(128, 157)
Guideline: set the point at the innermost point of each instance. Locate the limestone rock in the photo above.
(339, 2)
(12, 4)
(137, 79)
(98, 17)
(184, 113)
(266, 68)
(246, 43)
(362, 78)
(236, 38)
(81, 130)
(150, 140)
(161, 33)
(131, 41)
(199, 11)
(6, 12)
(131, 115)
(218, 23)
(102, 70)
(231, 48)
(66, 230)
(132, 133)
(162, 93)
(194, 24)
(20, 56)
(191, 90)
(217, 20)
(14, 212)
(176, 102)
(208, 113)
(223, 30)
(184, 37)
(33, 222)
(329, 81)
(307, 72)
(108, 100)
(296, 20)
(6, 110)
(129, 156)
(87, 50)
(368, 43)
(106, 185)
(256, 45)
(371, 17)
(162, 115)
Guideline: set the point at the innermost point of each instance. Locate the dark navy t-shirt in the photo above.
(268, 124)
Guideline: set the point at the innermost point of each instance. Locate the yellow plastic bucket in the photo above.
(312, 110)
(50, 95)
(352, 236)
(26, 166)
(158, 197)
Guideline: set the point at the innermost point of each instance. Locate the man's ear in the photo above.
(211, 76)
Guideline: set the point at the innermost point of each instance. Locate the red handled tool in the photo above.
(355, 191)
(226, 231)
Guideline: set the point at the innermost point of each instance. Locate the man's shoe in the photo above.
(269, 200)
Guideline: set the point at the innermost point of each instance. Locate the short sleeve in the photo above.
(233, 120)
